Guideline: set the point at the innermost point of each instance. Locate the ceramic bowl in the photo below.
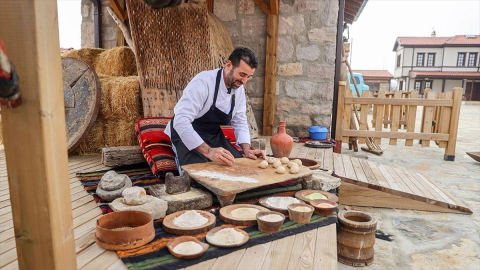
(324, 211)
(181, 239)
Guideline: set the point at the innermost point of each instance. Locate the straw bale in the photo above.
(86, 54)
(123, 97)
(118, 61)
(95, 141)
(120, 132)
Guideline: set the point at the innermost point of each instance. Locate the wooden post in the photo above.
(339, 123)
(452, 134)
(35, 138)
(270, 73)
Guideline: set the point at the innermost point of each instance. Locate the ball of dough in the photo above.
(284, 160)
(270, 160)
(277, 163)
(263, 164)
(298, 161)
(281, 169)
(291, 164)
(294, 169)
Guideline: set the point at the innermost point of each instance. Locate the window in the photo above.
(420, 58)
(431, 60)
(472, 59)
(461, 60)
(399, 57)
(400, 87)
(428, 84)
(418, 85)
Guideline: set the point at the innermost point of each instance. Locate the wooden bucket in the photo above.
(356, 238)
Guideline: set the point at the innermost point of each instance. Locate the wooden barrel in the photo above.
(356, 238)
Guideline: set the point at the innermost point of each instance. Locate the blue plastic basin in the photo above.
(318, 132)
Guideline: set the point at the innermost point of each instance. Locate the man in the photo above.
(211, 99)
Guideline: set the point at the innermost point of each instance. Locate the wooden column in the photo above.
(35, 138)
(453, 129)
(340, 115)
(270, 69)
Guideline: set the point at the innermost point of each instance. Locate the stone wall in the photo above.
(306, 54)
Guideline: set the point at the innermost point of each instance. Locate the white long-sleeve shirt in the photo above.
(197, 99)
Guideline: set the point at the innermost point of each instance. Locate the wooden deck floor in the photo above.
(315, 249)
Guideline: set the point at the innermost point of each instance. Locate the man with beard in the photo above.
(212, 99)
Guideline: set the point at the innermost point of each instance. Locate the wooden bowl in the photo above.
(302, 195)
(210, 234)
(263, 202)
(181, 239)
(324, 211)
(309, 163)
(124, 230)
(269, 226)
(226, 216)
(298, 216)
(169, 227)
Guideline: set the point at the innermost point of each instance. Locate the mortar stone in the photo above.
(153, 206)
(193, 199)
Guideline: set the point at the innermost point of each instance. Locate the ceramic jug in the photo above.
(281, 143)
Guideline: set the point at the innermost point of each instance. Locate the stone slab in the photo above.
(193, 199)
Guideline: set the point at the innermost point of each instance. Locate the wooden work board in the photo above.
(227, 181)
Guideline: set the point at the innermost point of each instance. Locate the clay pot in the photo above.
(356, 238)
(281, 143)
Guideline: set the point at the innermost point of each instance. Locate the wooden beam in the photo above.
(270, 75)
(119, 9)
(274, 7)
(210, 6)
(400, 101)
(397, 134)
(263, 6)
(35, 138)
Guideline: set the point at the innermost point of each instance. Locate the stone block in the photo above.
(193, 199)
(291, 24)
(109, 32)
(154, 206)
(307, 5)
(285, 49)
(326, 91)
(309, 53)
(87, 35)
(257, 103)
(299, 121)
(301, 38)
(109, 44)
(300, 89)
(330, 53)
(330, 13)
(324, 181)
(323, 120)
(254, 26)
(321, 71)
(225, 10)
(259, 85)
(86, 10)
(112, 185)
(322, 34)
(287, 104)
(290, 69)
(285, 7)
(259, 144)
(246, 7)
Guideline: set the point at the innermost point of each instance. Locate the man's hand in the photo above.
(219, 154)
(252, 153)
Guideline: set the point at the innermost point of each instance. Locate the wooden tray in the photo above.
(263, 202)
(178, 240)
(228, 218)
(301, 195)
(215, 230)
(317, 144)
(169, 227)
(474, 155)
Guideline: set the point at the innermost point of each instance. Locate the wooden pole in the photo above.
(270, 74)
(340, 111)
(453, 129)
(35, 138)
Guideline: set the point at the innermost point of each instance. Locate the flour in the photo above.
(272, 218)
(245, 213)
(302, 209)
(187, 248)
(190, 219)
(225, 177)
(324, 205)
(227, 236)
(281, 202)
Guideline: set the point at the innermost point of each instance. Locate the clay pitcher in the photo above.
(281, 143)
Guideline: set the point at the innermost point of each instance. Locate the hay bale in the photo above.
(120, 97)
(1, 131)
(118, 61)
(86, 54)
(120, 132)
(95, 140)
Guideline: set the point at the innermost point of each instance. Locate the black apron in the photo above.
(208, 127)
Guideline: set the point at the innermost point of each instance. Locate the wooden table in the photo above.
(227, 181)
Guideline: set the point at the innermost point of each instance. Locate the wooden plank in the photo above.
(411, 117)
(119, 265)
(319, 155)
(229, 261)
(276, 258)
(303, 152)
(338, 164)
(358, 170)
(386, 111)
(427, 119)
(8, 257)
(453, 129)
(263, 6)
(44, 240)
(103, 261)
(303, 251)
(444, 122)
(270, 72)
(363, 117)
(85, 228)
(85, 241)
(328, 159)
(395, 118)
(88, 254)
(92, 214)
(12, 266)
(349, 171)
(253, 257)
(391, 181)
(340, 110)
(401, 101)
(347, 116)
(424, 187)
(274, 7)
(398, 179)
(378, 117)
(437, 189)
(311, 153)
(326, 248)
(371, 179)
(203, 265)
(398, 134)
(411, 184)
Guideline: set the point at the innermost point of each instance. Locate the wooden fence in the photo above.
(398, 111)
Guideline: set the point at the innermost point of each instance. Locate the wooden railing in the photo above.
(398, 111)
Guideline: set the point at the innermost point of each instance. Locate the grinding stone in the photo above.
(193, 199)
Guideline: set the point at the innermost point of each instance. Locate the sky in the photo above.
(373, 35)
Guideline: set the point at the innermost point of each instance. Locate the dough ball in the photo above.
(291, 164)
(298, 161)
(294, 169)
(270, 160)
(280, 169)
(284, 160)
(277, 163)
(263, 164)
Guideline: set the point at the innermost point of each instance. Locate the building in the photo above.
(439, 63)
(376, 79)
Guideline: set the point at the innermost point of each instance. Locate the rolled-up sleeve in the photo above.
(239, 119)
(187, 110)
